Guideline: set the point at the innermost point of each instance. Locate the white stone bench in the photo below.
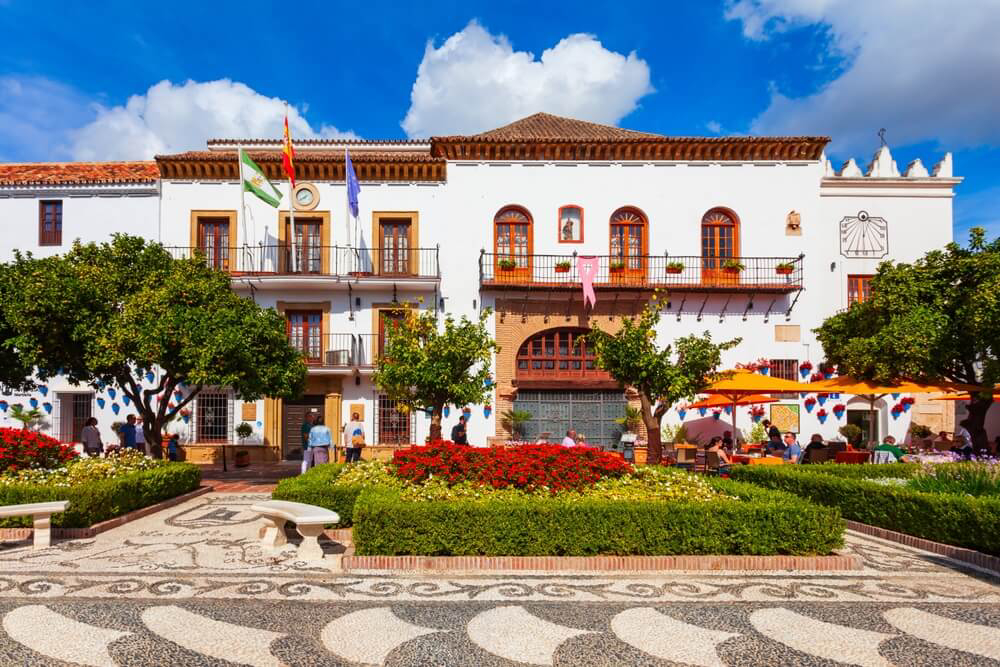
(41, 514)
(308, 519)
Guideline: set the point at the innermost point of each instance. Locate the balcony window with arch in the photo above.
(513, 241)
(628, 239)
(558, 354)
(720, 239)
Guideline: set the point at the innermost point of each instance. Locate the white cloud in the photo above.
(34, 114)
(476, 81)
(171, 118)
(714, 126)
(923, 69)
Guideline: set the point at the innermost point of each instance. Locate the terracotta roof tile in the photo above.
(547, 127)
(304, 156)
(318, 142)
(77, 173)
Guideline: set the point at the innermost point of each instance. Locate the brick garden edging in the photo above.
(970, 556)
(97, 528)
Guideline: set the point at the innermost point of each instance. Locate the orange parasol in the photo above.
(738, 384)
(717, 401)
(873, 391)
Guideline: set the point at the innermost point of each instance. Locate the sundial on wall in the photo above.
(864, 236)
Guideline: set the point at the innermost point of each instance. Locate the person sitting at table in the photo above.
(716, 445)
(942, 443)
(793, 450)
(773, 433)
(889, 445)
(775, 448)
(815, 442)
(727, 440)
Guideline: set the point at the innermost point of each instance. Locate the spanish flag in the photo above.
(288, 154)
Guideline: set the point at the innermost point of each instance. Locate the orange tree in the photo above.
(660, 377)
(427, 367)
(109, 314)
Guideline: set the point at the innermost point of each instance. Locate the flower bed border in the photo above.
(8, 534)
(968, 556)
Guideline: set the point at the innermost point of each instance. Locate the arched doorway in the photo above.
(720, 243)
(629, 241)
(559, 384)
(512, 243)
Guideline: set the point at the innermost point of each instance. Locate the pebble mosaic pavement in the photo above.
(190, 586)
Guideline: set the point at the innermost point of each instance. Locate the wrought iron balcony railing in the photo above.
(337, 350)
(305, 260)
(774, 274)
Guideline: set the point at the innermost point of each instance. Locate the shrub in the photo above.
(549, 467)
(23, 448)
(964, 521)
(79, 471)
(316, 487)
(760, 522)
(91, 502)
(974, 479)
(852, 432)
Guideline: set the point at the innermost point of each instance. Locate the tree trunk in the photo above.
(436, 412)
(654, 447)
(977, 423)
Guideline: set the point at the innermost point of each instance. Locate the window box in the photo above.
(507, 264)
(675, 267)
(784, 269)
(562, 267)
(616, 267)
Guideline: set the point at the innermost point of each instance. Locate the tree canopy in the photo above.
(106, 314)
(661, 377)
(427, 367)
(937, 318)
(15, 372)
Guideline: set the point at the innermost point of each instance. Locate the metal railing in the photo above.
(646, 271)
(339, 350)
(284, 260)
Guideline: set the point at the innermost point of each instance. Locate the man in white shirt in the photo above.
(962, 439)
(354, 438)
(140, 436)
(570, 439)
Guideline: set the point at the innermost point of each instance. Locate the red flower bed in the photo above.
(523, 467)
(24, 448)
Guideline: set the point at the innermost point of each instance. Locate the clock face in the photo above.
(304, 196)
(864, 236)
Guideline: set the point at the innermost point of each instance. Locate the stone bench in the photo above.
(41, 514)
(308, 519)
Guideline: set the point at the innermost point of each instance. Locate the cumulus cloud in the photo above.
(172, 117)
(476, 81)
(923, 69)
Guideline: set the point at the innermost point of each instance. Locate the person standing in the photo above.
(140, 436)
(320, 440)
(90, 436)
(174, 447)
(127, 432)
(962, 439)
(307, 424)
(354, 438)
(459, 434)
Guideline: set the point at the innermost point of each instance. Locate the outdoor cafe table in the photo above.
(757, 460)
(852, 457)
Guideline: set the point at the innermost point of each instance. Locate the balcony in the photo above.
(339, 352)
(643, 272)
(282, 264)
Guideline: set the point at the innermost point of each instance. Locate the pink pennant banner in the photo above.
(587, 268)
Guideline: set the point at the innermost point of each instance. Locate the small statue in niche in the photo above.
(793, 224)
(570, 224)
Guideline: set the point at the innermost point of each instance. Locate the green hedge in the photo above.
(763, 522)
(965, 521)
(316, 487)
(881, 471)
(105, 499)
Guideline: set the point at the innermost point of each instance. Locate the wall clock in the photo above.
(864, 236)
(306, 197)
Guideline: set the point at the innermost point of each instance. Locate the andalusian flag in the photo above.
(256, 182)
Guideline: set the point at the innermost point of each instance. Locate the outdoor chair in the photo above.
(714, 466)
(819, 455)
(835, 448)
(884, 457)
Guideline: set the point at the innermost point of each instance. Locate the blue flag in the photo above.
(353, 187)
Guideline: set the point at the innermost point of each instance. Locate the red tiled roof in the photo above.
(318, 142)
(77, 173)
(304, 156)
(547, 127)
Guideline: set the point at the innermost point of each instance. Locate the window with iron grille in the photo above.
(213, 416)
(393, 426)
(50, 222)
(786, 369)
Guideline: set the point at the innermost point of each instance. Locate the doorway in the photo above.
(862, 419)
(293, 413)
(73, 412)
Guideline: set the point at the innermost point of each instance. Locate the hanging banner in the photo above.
(587, 268)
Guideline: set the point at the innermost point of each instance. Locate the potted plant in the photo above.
(616, 266)
(507, 264)
(243, 431)
(804, 368)
(810, 403)
(675, 267)
(514, 421)
(851, 432)
(563, 266)
(839, 409)
(631, 420)
(732, 266)
(821, 414)
(26, 417)
(784, 268)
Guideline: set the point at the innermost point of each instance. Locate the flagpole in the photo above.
(243, 204)
(347, 212)
(293, 241)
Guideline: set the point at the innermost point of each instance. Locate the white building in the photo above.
(462, 223)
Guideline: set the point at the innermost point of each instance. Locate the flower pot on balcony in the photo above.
(784, 270)
(242, 459)
(616, 269)
(507, 266)
(675, 269)
(731, 270)
(562, 269)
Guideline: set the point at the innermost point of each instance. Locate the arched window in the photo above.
(720, 236)
(557, 354)
(628, 239)
(513, 239)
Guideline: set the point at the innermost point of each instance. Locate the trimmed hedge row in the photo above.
(762, 522)
(881, 471)
(964, 521)
(316, 487)
(104, 499)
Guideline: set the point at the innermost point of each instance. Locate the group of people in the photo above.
(574, 439)
(130, 436)
(317, 439)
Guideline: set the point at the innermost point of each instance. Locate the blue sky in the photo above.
(79, 81)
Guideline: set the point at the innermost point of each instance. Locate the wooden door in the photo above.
(386, 320)
(213, 242)
(396, 247)
(305, 334)
(719, 245)
(513, 246)
(627, 263)
(292, 415)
